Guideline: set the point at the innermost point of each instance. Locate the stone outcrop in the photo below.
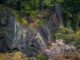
(16, 37)
(13, 36)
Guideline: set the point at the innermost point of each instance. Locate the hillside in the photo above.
(39, 30)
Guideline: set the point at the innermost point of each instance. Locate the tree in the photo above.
(71, 12)
(58, 11)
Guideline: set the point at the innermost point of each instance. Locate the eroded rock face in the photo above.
(33, 43)
(7, 27)
(45, 33)
(17, 37)
(10, 31)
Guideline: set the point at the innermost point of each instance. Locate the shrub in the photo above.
(41, 57)
(31, 58)
(77, 35)
(41, 22)
(77, 38)
(66, 34)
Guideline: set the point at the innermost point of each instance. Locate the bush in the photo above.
(41, 57)
(77, 38)
(41, 22)
(66, 34)
(31, 58)
(77, 35)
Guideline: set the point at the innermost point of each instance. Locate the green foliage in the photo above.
(70, 10)
(59, 1)
(31, 58)
(65, 34)
(77, 38)
(77, 44)
(26, 6)
(41, 57)
(41, 22)
(23, 21)
(77, 35)
(48, 3)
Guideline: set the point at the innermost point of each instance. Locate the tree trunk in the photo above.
(58, 13)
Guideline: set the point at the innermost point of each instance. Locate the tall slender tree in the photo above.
(58, 12)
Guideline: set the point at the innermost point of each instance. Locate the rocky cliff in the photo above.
(14, 36)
